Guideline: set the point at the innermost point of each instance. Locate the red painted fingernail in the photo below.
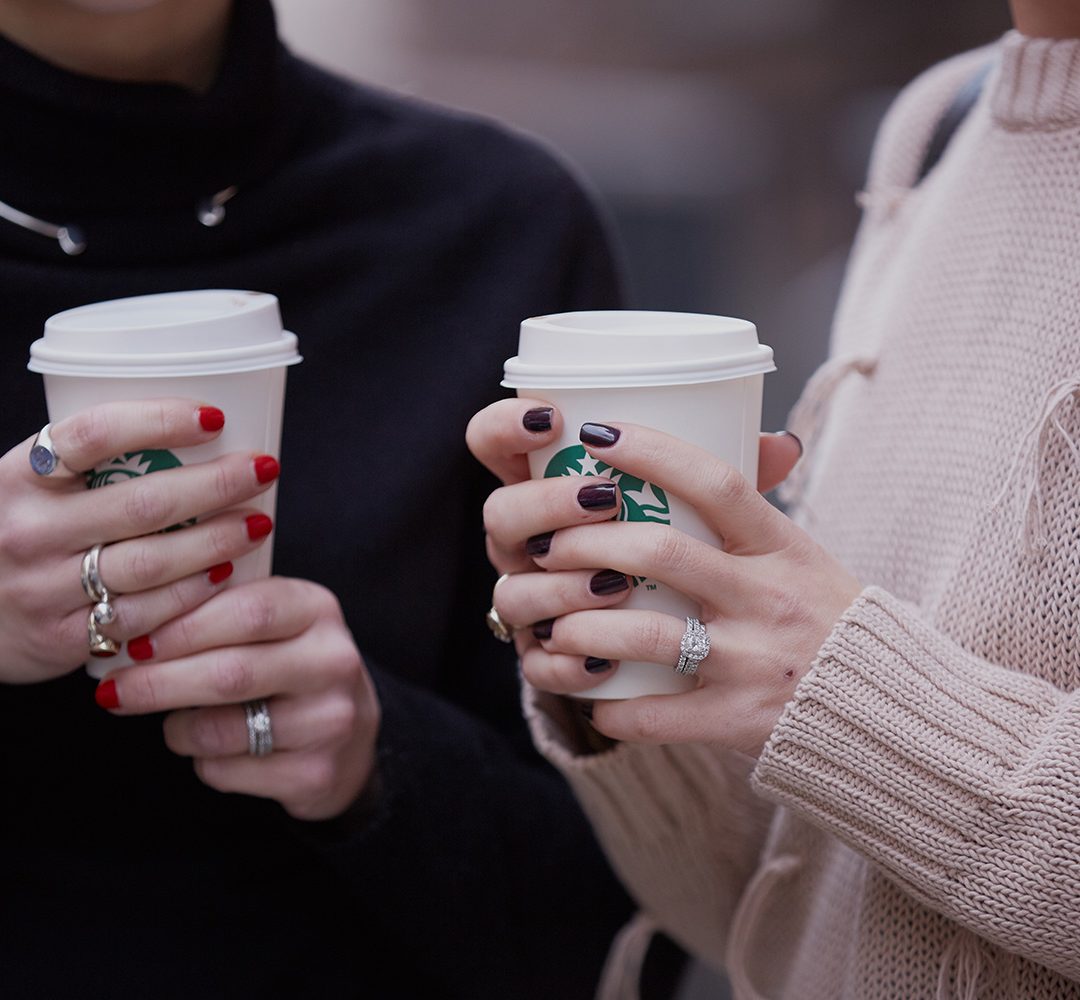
(267, 468)
(106, 695)
(222, 571)
(258, 526)
(211, 418)
(140, 648)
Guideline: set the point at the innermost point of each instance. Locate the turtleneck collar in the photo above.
(1037, 84)
(79, 147)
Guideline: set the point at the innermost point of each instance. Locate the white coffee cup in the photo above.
(226, 348)
(694, 376)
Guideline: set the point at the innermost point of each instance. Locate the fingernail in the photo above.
(600, 496)
(258, 526)
(595, 665)
(608, 581)
(538, 419)
(140, 648)
(796, 439)
(267, 468)
(106, 695)
(599, 435)
(542, 630)
(538, 545)
(222, 571)
(211, 418)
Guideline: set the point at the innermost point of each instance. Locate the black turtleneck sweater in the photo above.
(405, 244)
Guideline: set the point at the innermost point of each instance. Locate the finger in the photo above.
(732, 507)
(170, 497)
(526, 598)
(564, 674)
(99, 433)
(502, 434)
(777, 456)
(653, 551)
(697, 716)
(321, 658)
(154, 560)
(287, 776)
(263, 611)
(511, 560)
(297, 724)
(515, 516)
(620, 634)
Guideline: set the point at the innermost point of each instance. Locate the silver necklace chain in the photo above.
(210, 212)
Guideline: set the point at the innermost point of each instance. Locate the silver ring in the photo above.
(260, 732)
(43, 460)
(100, 645)
(102, 613)
(693, 648)
(502, 630)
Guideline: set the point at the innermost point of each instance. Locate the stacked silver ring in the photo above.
(260, 732)
(693, 648)
(102, 612)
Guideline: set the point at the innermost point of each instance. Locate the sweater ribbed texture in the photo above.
(925, 837)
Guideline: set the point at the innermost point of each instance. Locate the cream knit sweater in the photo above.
(912, 828)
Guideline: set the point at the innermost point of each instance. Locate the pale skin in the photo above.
(769, 595)
(205, 646)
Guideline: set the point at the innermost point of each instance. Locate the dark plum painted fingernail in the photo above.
(140, 648)
(106, 695)
(542, 630)
(600, 496)
(595, 665)
(538, 545)
(608, 581)
(599, 435)
(211, 418)
(267, 468)
(222, 571)
(538, 419)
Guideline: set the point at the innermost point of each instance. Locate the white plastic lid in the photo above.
(596, 350)
(207, 332)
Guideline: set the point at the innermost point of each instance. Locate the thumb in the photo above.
(777, 455)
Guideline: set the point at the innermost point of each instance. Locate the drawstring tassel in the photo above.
(622, 971)
(1026, 469)
(810, 411)
(963, 968)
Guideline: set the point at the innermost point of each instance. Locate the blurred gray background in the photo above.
(724, 139)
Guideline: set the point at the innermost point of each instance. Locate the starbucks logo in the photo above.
(131, 466)
(641, 501)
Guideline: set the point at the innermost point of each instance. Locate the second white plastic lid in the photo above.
(633, 348)
(211, 331)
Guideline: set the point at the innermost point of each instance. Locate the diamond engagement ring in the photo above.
(693, 648)
(260, 733)
(503, 631)
(43, 460)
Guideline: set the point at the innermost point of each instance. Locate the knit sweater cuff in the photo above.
(899, 741)
(679, 823)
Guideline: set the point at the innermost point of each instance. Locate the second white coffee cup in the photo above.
(695, 376)
(223, 347)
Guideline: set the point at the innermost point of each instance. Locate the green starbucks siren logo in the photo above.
(131, 466)
(641, 501)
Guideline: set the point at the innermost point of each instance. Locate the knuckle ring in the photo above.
(43, 458)
(502, 630)
(102, 612)
(693, 647)
(260, 732)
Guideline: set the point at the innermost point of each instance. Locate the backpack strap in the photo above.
(949, 122)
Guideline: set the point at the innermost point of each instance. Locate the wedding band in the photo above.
(503, 631)
(260, 733)
(43, 460)
(693, 648)
(100, 645)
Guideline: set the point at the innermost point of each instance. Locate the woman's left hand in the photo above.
(769, 598)
(280, 640)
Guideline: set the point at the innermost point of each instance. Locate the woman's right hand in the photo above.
(47, 523)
